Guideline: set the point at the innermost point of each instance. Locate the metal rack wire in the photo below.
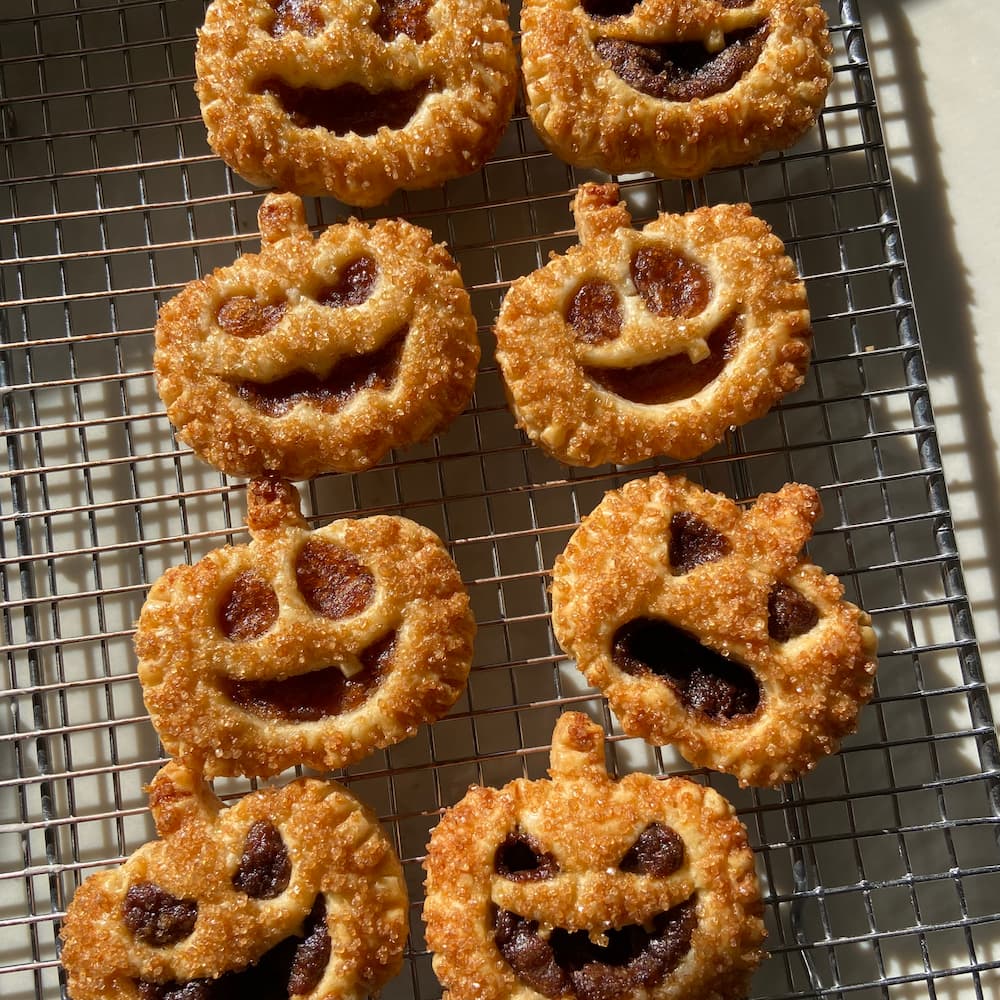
(880, 869)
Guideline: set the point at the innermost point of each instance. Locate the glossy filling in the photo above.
(265, 869)
(594, 312)
(293, 967)
(157, 918)
(303, 16)
(520, 858)
(693, 542)
(657, 851)
(332, 580)
(347, 108)
(789, 613)
(671, 379)
(249, 608)
(353, 285)
(356, 373)
(684, 71)
(403, 17)
(568, 963)
(669, 284)
(703, 680)
(321, 694)
(242, 316)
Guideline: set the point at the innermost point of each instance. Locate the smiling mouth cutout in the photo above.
(349, 107)
(375, 371)
(684, 71)
(293, 967)
(674, 378)
(570, 963)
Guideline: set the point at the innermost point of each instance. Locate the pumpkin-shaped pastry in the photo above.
(587, 888)
(304, 647)
(355, 98)
(676, 87)
(707, 627)
(291, 892)
(655, 341)
(317, 355)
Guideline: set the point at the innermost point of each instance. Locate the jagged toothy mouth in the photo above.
(569, 963)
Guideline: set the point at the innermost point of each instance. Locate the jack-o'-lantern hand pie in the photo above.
(318, 355)
(655, 341)
(355, 100)
(708, 628)
(676, 87)
(304, 647)
(291, 892)
(585, 888)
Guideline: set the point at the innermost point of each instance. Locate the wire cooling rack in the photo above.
(880, 869)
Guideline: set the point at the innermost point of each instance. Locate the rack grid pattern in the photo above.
(880, 869)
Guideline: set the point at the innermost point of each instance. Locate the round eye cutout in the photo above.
(628, 904)
(708, 628)
(658, 341)
(673, 88)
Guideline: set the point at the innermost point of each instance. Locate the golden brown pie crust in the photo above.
(262, 94)
(586, 822)
(588, 115)
(751, 302)
(414, 304)
(336, 850)
(617, 569)
(221, 643)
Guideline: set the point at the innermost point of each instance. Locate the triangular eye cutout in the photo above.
(693, 542)
(520, 858)
(789, 613)
(658, 851)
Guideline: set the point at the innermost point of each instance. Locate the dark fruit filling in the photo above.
(521, 859)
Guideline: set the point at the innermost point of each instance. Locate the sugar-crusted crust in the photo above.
(418, 291)
(336, 849)
(616, 568)
(544, 363)
(588, 822)
(187, 664)
(589, 116)
(467, 60)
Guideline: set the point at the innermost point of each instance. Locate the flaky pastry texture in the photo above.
(355, 99)
(655, 341)
(676, 87)
(304, 647)
(317, 355)
(707, 627)
(299, 882)
(532, 887)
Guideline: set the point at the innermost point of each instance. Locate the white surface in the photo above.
(937, 71)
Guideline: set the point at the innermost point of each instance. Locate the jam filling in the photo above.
(693, 542)
(293, 967)
(242, 316)
(318, 695)
(568, 963)
(403, 17)
(249, 609)
(704, 680)
(658, 851)
(347, 108)
(594, 312)
(520, 858)
(684, 71)
(670, 284)
(332, 581)
(303, 16)
(789, 613)
(265, 869)
(376, 371)
(157, 918)
(673, 378)
(353, 285)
